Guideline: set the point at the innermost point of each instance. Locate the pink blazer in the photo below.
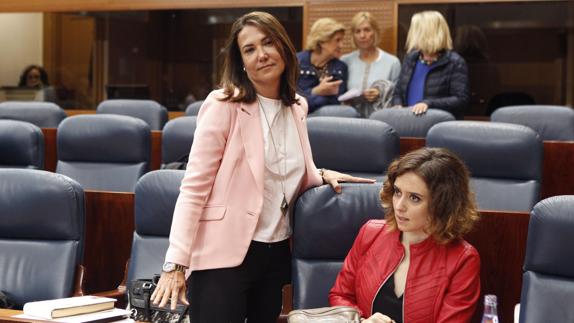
(221, 194)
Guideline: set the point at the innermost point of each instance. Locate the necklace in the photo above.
(284, 204)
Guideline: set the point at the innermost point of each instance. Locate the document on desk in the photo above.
(114, 315)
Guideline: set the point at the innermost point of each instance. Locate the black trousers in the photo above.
(250, 291)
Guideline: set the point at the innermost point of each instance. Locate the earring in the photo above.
(243, 68)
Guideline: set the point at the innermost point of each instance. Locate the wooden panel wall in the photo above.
(343, 11)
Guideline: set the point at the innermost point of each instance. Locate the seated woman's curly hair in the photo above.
(451, 205)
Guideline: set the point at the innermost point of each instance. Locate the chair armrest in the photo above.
(79, 281)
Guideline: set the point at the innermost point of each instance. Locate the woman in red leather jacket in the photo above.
(414, 266)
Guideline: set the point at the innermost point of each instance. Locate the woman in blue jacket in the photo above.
(432, 75)
(323, 77)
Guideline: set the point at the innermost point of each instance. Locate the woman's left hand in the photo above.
(420, 108)
(371, 94)
(333, 178)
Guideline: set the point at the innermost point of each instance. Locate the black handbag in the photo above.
(144, 310)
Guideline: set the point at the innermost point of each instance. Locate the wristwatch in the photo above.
(170, 266)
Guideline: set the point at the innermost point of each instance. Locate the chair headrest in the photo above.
(326, 223)
(550, 122)
(193, 108)
(29, 197)
(149, 111)
(177, 138)
(491, 149)
(409, 125)
(22, 144)
(549, 249)
(42, 114)
(336, 110)
(104, 138)
(353, 145)
(155, 196)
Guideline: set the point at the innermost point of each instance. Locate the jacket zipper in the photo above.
(384, 281)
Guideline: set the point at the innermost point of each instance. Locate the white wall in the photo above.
(21, 44)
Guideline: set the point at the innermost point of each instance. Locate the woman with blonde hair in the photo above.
(371, 70)
(415, 265)
(432, 76)
(323, 77)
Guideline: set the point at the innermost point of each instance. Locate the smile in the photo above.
(265, 66)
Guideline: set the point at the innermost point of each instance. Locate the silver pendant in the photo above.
(284, 205)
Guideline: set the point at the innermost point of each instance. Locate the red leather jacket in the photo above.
(443, 281)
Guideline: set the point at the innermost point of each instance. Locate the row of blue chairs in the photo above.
(40, 258)
(49, 115)
(110, 152)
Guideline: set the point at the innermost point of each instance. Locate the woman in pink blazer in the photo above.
(249, 161)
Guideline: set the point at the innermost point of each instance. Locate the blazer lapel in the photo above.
(252, 137)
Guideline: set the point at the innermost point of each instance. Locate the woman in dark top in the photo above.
(414, 265)
(323, 77)
(432, 75)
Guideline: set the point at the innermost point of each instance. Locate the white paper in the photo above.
(350, 94)
(116, 312)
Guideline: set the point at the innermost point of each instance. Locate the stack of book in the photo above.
(75, 309)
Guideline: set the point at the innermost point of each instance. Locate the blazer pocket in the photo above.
(213, 213)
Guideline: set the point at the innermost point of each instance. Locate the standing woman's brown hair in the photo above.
(236, 85)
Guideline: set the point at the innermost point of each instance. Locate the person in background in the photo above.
(250, 160)
(35, 76)
(414, 265)
(432, 76)
(369, 66)
(323, 77)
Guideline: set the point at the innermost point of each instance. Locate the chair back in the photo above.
(149, 111)
(505, 161)
(550, 122)
(406, 124)
(155, 196)
(193, 108)
(177, 138)
(548, 279)
(21, 145)
(41, 234)
(325, 227)
(42, 114)
(104, 152)
(336, 110)
(360, 147)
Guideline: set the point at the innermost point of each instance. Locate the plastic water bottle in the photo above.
(490, 315)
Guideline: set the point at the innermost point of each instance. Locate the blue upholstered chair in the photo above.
(21, 145)
(548, 280)
(104, 152)
(550, 122)
(325, 227)
(340, 110)
(505, 161)
(193, 108)
(42, 221)
(42, 114)
(360, 147)
(155, 197)
(149, 111)
(406, 124)
(177, 138)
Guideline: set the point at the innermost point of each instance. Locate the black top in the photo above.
(387, 302)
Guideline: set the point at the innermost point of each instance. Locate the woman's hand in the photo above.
(420, 108)
(378, 318)
(170, 287)
(333, 178)
(327, 86)
(371, 94)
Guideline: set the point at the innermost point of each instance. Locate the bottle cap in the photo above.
(490, 299)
